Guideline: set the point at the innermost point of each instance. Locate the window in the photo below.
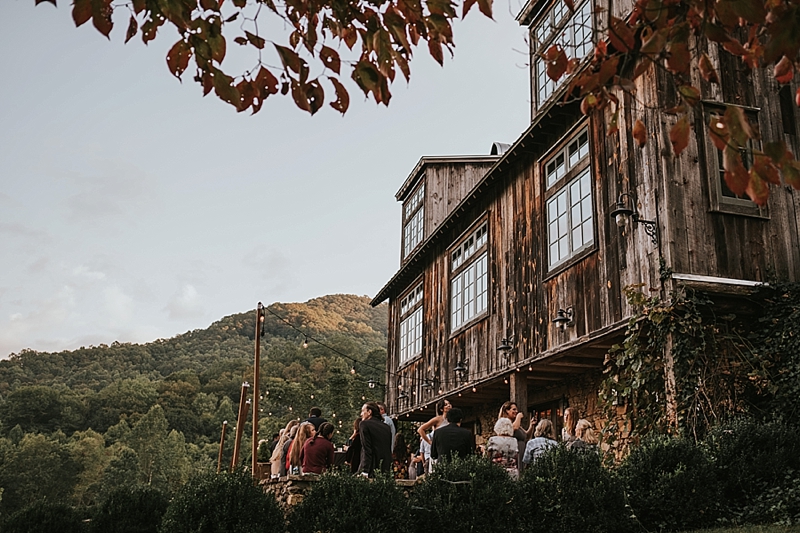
(413, 215)
(469, 278)
(411, 325)
(569, 204)
(571, 30)
(724, 200)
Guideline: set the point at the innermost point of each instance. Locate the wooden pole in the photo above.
(221, 445)
(671, 387)
(240, 420)
(256, 385)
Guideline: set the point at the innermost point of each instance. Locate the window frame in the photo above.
(719, 202)
(564, 183)
(479, 253)
(416, 307)
(562, 31)
(418, 209)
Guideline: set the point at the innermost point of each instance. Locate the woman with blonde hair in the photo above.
(502, 449)
(585, 439)
(277, 453)
(544, 437)
(305, 432)
(570, 421)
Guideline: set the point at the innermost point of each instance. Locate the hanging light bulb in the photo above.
(474, 389)
(312, 396)
(353, 370)
(305, 342)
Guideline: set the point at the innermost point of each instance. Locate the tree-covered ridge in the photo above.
(78, 423)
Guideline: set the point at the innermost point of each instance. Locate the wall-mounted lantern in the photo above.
(625, 208)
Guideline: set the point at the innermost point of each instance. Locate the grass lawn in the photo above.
(753, 529)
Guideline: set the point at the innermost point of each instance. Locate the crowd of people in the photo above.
(376, 446)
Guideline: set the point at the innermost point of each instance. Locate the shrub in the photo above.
(671, 484)
(464, 495)
(342, 503)
(758, 467)
(130, 510)
(49, 517)
(222, 503)
(564, 490)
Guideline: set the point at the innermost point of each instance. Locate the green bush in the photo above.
(565, 490)
(758, 467)
(130, 510)
(342, 503)
(671, 485)
(45, 517)
(464, 495)
(222, 503)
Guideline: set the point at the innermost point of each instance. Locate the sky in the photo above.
(132, 208)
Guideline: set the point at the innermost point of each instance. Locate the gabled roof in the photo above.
(546, 129)
(424, 161)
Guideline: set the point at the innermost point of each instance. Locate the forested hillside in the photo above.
(74, 424)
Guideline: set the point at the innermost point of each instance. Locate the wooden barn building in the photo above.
(512, 266)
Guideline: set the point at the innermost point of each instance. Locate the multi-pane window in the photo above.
(411, 325)
(469, 278)
(570, 213)
(413, 215)
(571, 30)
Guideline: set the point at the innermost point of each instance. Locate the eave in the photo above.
(413, 178)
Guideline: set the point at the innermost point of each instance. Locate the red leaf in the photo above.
(784, 70)
(791, 174)
(330, 58)
(178, 58)
(621, 35)
(642, 67)
(486, 7)
(766, 169)
(266, 82)
(218, 47)
(613, 124)
(797, 98)
(43, 1)
(81, 11)
(608, 69)
(707, 69)
(678, 61)
(736, 176)
(639, 133)
(467, 6)
(757, 189)
(289, 58)
(342, 101)
(101, 16)
(570, 5)
(435, 48)
(679, 135)
(255, 40)
(133, 27)
(556, 62)
(241, 41)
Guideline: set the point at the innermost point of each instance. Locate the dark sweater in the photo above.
(316, 455)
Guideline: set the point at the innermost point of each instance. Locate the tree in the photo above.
(379, 37)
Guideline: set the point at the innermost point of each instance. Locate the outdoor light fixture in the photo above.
(460, 370)
(625, 208)
(305, 342)
(353, 370)
(371, 383)
(506, 345)
(564, 318)
(402, 395)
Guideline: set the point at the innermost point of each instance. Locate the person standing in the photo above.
(502, 449)
(442, 407)
(544, 438)
(510, 410)
(376, 441)
(315, 417)
(317, 454)
(570, 421)
(388, 421)
(452, 440)
(353, 448)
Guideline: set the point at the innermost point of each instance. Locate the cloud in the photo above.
(83, 271)
(39, 265)
(118, 306)
(24, 232)
(273, 270)
(185, 303)
(20, 330)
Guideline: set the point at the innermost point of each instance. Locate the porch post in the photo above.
(518, 383)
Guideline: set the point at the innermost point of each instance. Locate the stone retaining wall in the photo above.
(290, 490)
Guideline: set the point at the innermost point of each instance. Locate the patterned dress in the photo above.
(504, 451)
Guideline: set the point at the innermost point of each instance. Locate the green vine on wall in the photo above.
(717, 371)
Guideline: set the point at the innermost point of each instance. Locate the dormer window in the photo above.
(413, 217)
(572, 31)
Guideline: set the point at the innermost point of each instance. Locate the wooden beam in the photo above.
(519, 391)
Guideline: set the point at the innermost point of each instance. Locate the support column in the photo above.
(518, 383)
(670, 386)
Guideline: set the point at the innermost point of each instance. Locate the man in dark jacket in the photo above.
(452, 439)
(315, 417)
(376, 441)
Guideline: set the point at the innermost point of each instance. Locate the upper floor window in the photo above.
(723, 199)
(469, 277)
(411, 325)
(572, 30)
(569, 204)
(413, 216)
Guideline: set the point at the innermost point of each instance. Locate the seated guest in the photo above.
(452, 440)
(585, 439)
(317, 453)
(305, 432)
(544, 437)
(502, 449)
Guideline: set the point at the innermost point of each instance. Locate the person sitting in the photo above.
(317, 453)
(452, 440)
(286, 445)
(502, 449)
(544, 438)
(585, 439)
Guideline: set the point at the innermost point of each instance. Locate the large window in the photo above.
(411, 325)
(469, 278)
(413, 216)
(724, 200)
(570, 213)
(571, 30)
